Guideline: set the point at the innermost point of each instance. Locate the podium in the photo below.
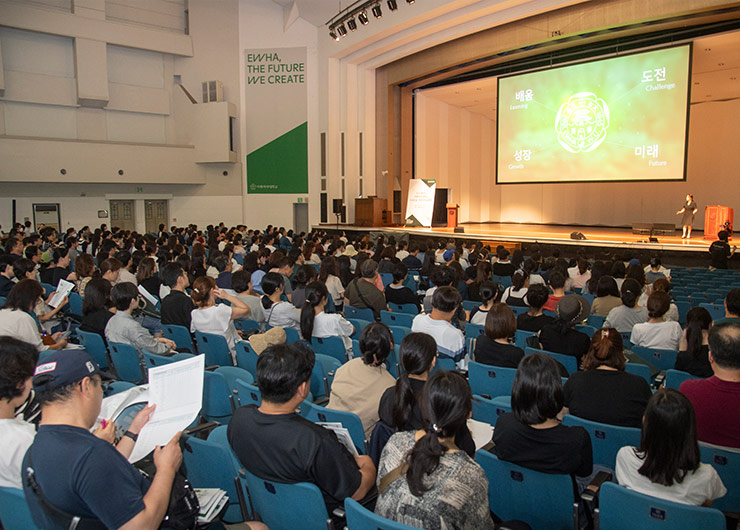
(371, 211)
(714, 218)
(452, 211)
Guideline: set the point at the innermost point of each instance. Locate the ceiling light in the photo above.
(377, 12)
(363, 18)
(392, 5)
(341, 30)
(351, 24)
(333, 34)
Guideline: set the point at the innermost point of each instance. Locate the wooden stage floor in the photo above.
(550, 234)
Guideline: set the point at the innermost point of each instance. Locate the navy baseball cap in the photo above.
(64, 367)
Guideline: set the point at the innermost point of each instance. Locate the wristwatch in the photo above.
(131, 435)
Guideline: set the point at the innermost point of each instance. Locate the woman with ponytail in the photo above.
(488, 293)
(424, 479)
(603, 391)
(624, 317)
(693, 352)
(516, 294)
(210, 317)
(278, 312)
(317, 323)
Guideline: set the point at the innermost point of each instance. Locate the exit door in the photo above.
(155, 213)
(122, 215)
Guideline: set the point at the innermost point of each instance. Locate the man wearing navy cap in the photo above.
(70, 473)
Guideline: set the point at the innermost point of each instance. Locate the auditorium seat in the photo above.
(606, 440)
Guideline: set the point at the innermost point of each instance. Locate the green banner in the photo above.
(280, 166)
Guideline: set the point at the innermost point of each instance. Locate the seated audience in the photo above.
(96, 307)
(624, 317)
(315, 322)
(557, 284)
(483, 273)
(360, 383)
(603, 391)
(125, 274)
(176, 307)
(607, 297)
(362, 292)
(412, 261)
(84, 269)
(110, 270)
(534, 319)
(218, 319)
(516, 293)
(656, 332)
(303, 276)
(561, 336)
(58, 269)
(437, 486)
(6, 274)
(16, 320)
(531, 435)
(223, 265)
(48, 317)
(147, 277)
(719, 424)
(721, 251)
(241, 284)
(329, 276)
(494, 346)
(732, 307)
(450, 340)
(503, 266)
(667, 464)
(488, 293)
(397, 292)
(400, 406)
(693, 351)
(655, 271)
(123, 328)
(579, 274)
(661, 284)
(278, 312)
(275, 443)
(17, 362)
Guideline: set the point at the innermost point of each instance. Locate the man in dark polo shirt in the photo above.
(274, 443)
(716, 400)
(176, 306)
(362, 292)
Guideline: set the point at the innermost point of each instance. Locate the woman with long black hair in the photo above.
(315, 322)
(278, 312)
(693, 350)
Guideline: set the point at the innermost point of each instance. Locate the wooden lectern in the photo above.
(714, 218)
(370, 211)
(452, 210)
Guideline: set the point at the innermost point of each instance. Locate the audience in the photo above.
(732, 307)
(278, 312)
(450, 340)
(315, 322)
(329, 276)
(557, 284)
(16, 320)
(241, 284)
(489, 293)
(516, 294)
(667, 464)
(96, 307)
(607, 297)
(397, 292)
(176, 307)
(363, 293)
(693, 351)
(6, 274)
(217, 319)
(561, 336)
(656, 332)
(624, 317)
(494, 347)
(534, 319)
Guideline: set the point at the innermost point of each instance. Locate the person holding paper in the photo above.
(16, 320)
(58, 268)
(79, 473)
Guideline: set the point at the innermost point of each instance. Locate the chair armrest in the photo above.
(488, 447)
(591, 492)
(201, 429)
(321, 401)
(212, 368)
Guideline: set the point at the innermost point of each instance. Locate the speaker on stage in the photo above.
(337, 206)
(577, 235)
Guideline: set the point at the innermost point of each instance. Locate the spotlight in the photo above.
(377, 12)
(363, 18)
(341, 30)
(351, 24)
(333, 35)
(392, 5)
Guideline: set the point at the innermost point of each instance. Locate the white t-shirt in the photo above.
(696, 488)
(661, 336)
(20, 325)
(16, 436)
(510, 292)
(217, 320)
(335, 288)
(479, 317)
(333, 325)
(579, 280)
(450, 340)
(402, 254)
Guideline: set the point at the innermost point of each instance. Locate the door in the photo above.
(155, 213)
(300, 217)
(122, 215)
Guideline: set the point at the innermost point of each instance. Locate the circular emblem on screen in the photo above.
(582, 122)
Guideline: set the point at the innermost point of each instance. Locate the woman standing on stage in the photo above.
(689, 210)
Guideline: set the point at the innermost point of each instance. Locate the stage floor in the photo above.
(550, 234)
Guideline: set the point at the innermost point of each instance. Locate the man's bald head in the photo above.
(724, 343)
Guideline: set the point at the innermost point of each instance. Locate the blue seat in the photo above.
(249, 394)
(643, 370)
(488, 410)
(727, 463)
(322, 375)
(716, 310)
(115, 387)
(399, 333)
(588, 330)
(661, 359)
(392, 362)
(48, 289)
(518, 310)
(359, 325)
(621, 508)
(287, 506)
(444, 363)
(214, 347)
(387, 278)
(513, 492)
(362, 314)
(15, 514)
(360, 518)
(349, 421)
(180, 335)
(490, 381)
(521, 336)
(75, 305)
(674, 378)
(504, 281)
(216, 402)
(95, 346)
(472, 331)
(245, 324)
(568, 361)
(409, 309)
(232, 374)
(331, 346)
(292, 335)
(129, 365)
(396, 319)
(469, 305)
(2, 301)
(606, 440)
(246, 357)
(152, 359)
(595, 321)
(683, 307)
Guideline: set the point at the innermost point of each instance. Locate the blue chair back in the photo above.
(95, 346)
(726, 462)
(661, 359)
(504, 281)
(216, 403)
(469, 305)
(2, 301)
(349, 421)
(387, 278)
(621, 508)
(488, 410)
(472, 331)
(606, 440)
(214, 347)
(409, 309)
(596, 321)
(359, 325)
(153, 359)
(129, 365)
(287, 506)
(396, 319)
(643, 370)
(521, 336)
(716, 310)
(674, 378)
(322, 375)
(444, 363)
(588, 330)
(399, 333)
(115, 387)
(362, 314)
(48, 289)
(292, 335)
(75, 304)
(683, 307)
(490, 381)
(568, 361)
(246, 357)
(248, 393)
(245, 324)
(15, 514)
(513, 489)
(331, 346)
(360, 518)
(180, 335)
